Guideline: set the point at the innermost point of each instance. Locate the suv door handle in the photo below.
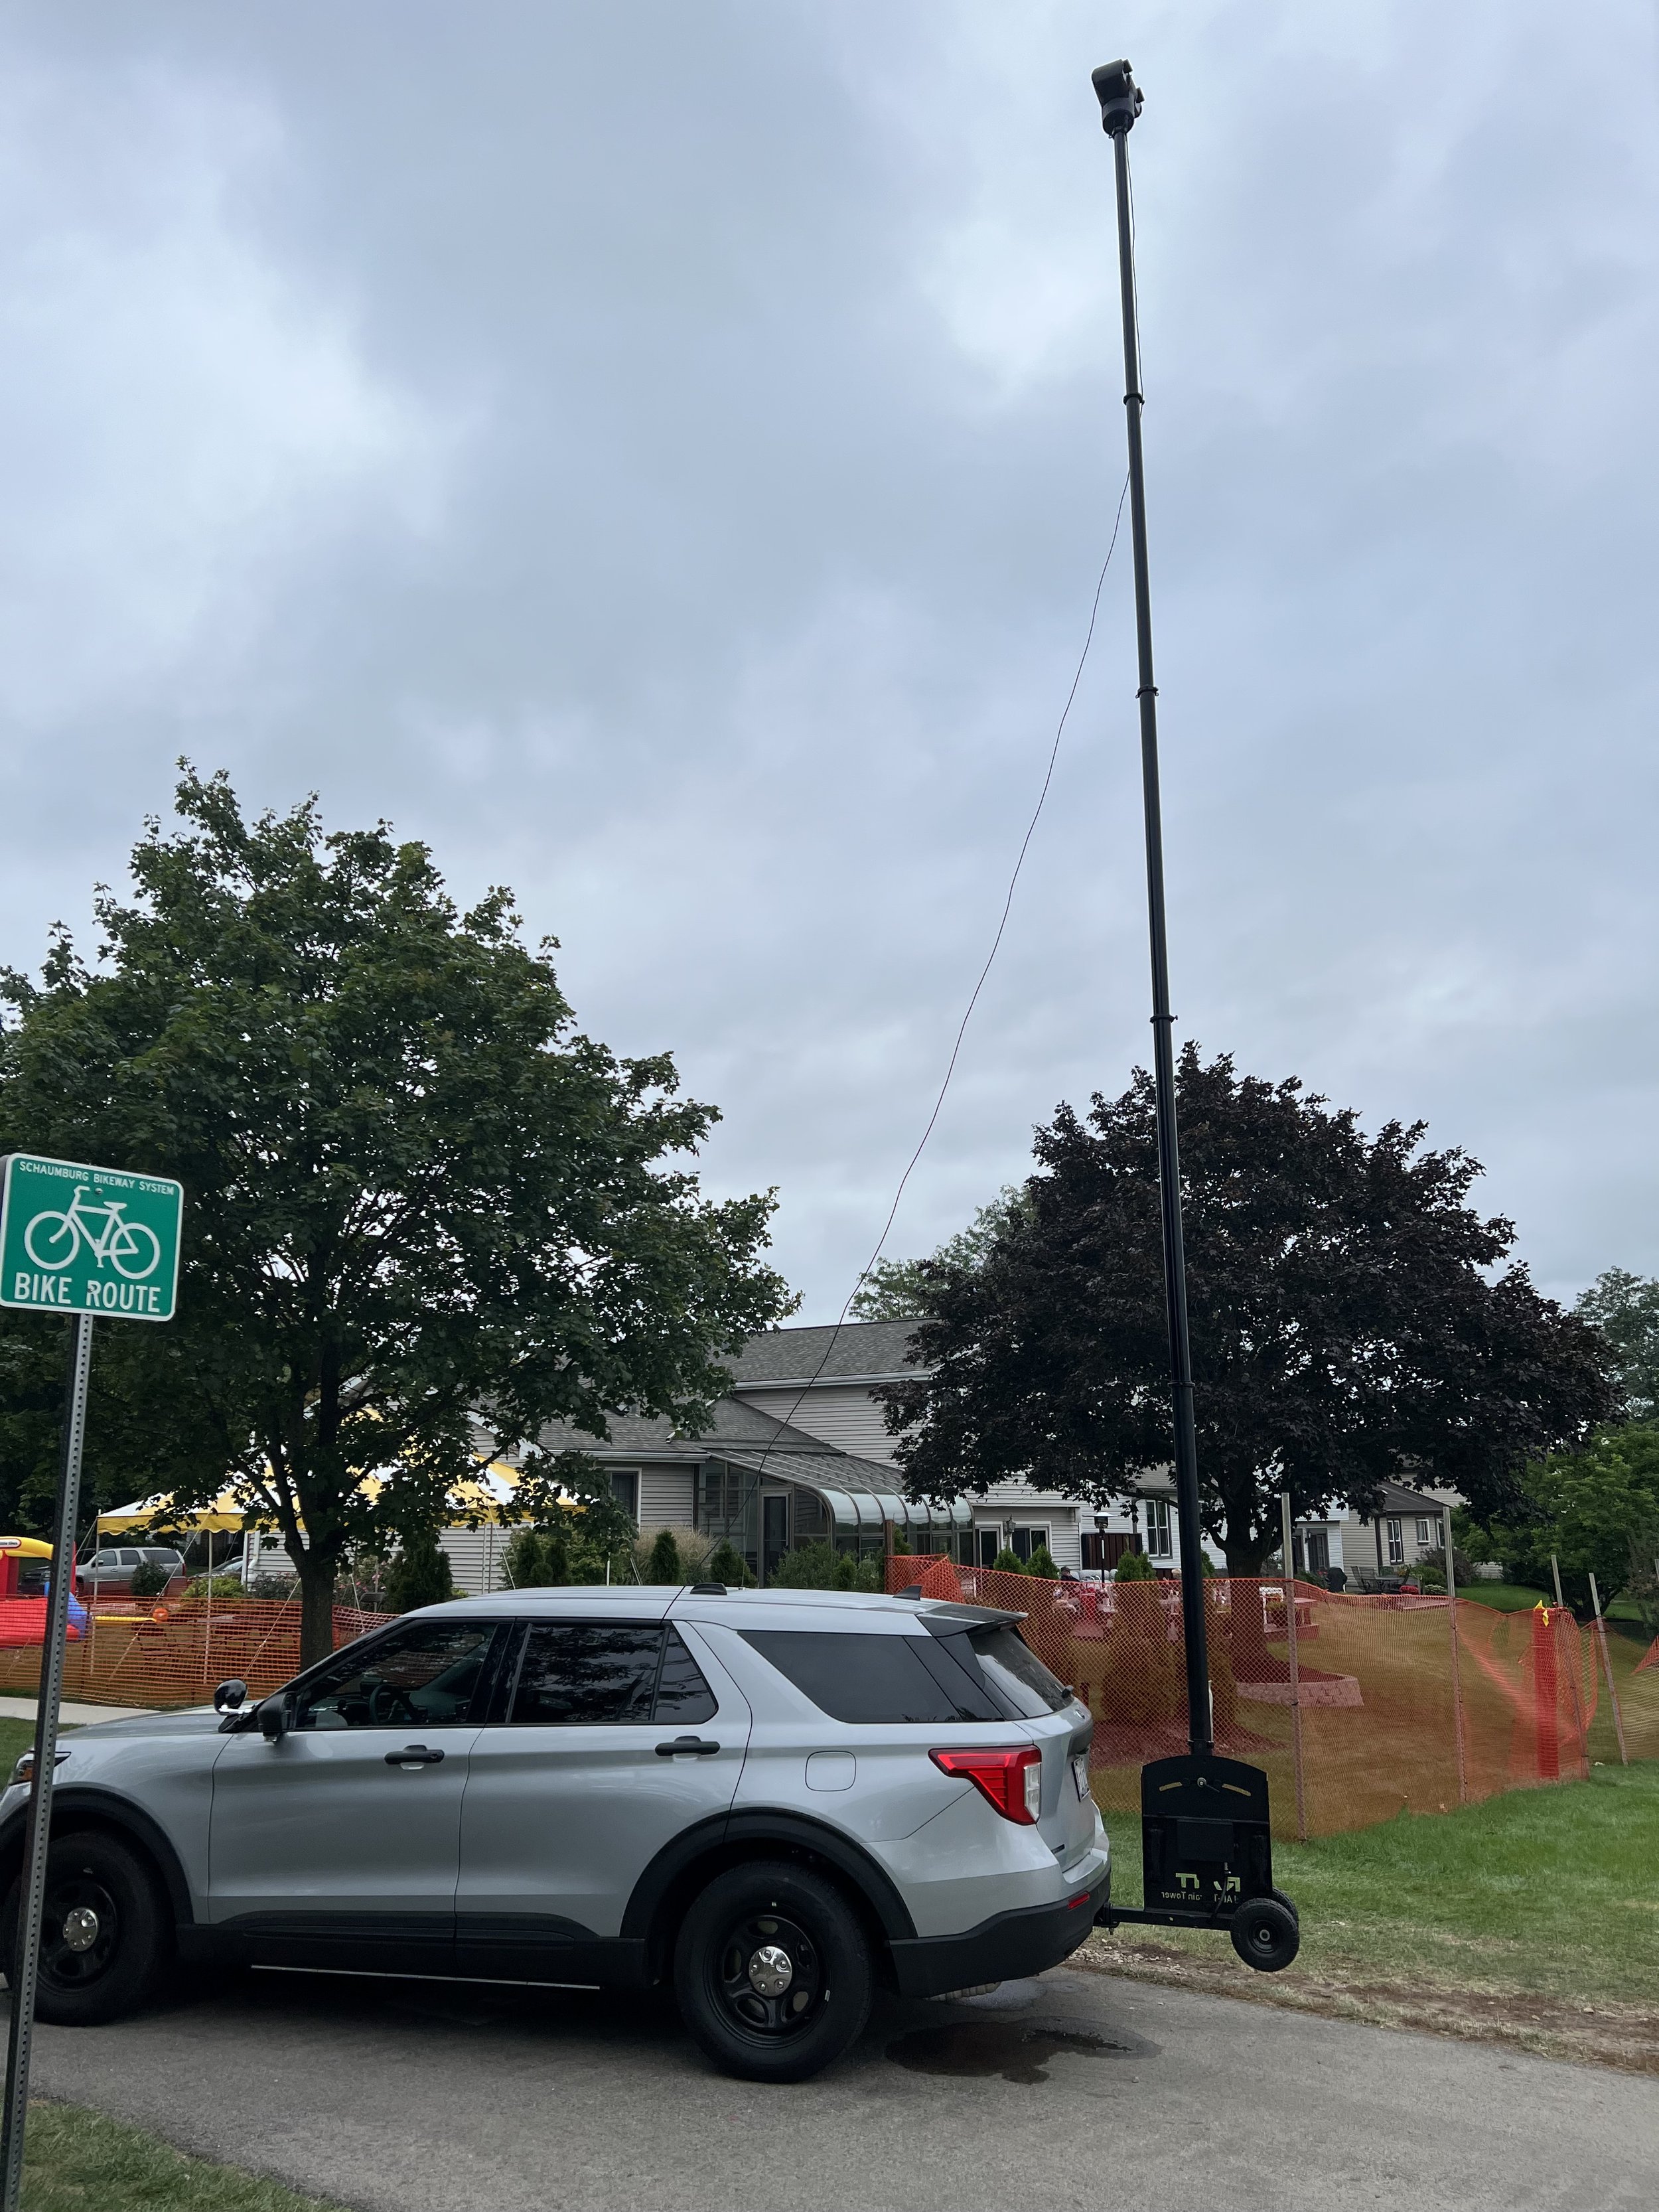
(692, 1745)
(413, 1754)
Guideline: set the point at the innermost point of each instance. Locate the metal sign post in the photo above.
(85, 1241)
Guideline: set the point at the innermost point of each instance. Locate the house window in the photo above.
(625, 1488)
(987, 1542)
(1316, 1548)
(1158, 1527)
(1394, 1529)
(1025, 1538)
(1425, 1532)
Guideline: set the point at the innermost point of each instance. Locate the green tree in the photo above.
(819, 1565)
(896, 1290)
(726, 1565)
(420, 1203)
(1625, 1308)
(1597, 1510)
(420, 1575)
(1007, 1562)
(1042, 1564)
(1134, 1567)
(1352, 1319)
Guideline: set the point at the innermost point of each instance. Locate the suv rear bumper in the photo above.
(1004, 1949)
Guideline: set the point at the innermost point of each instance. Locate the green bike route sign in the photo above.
(76, 1239)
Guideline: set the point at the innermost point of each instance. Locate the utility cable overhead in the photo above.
(967, 1015)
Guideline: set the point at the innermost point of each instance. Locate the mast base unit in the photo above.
(1207, 1850)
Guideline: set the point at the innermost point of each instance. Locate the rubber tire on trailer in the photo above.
(135, 1944)
(841, 1979)
(1265, 1935)
(1289, 1903)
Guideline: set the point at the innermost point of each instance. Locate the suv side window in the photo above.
(589, 1674)
(425, 1676)
(876, 1680)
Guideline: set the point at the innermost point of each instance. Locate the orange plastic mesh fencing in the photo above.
(135, 1651)
(1398, 1704)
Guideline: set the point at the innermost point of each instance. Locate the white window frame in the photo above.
(1159, 1537)
(1394, 1533)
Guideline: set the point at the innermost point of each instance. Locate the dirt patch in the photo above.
(1606, 2033)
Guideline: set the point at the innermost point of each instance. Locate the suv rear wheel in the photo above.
(106, 1934)
(772, 1971)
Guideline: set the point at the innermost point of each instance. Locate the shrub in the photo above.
(222, 1586)
(726, 1564)
(1007, 1562)
(1041, 1563)
(148, 1580)
(663, 1564)
(819, 1565)
(420, 1575)
(1134, 1567)
(901, 1546)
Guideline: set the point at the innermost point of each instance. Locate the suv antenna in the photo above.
(1121, 102)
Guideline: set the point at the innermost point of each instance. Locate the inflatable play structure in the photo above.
(25, 1578)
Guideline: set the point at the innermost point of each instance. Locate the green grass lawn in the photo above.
(1549, 1891)
(75, 2161)
(1507, 1597)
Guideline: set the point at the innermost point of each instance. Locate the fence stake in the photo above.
(1296, 1678)
(1457, 1666)
(1606, 1661)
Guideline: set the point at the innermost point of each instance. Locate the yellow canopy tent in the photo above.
(492, 1489)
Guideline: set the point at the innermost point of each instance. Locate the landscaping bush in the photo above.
(663, 1561)
(1042, 1564)
(1135, 1567)
(220, 1586)
(1007, 1562)
(148, 1580)
(819, 1565)
(538, 1559)
(420, 1575)
(726, 1564)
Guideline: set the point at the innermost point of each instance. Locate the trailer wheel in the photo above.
(1265, 1935)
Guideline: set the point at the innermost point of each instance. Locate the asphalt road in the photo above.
(1078, 2090)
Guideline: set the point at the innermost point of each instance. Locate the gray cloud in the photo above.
(662, 456)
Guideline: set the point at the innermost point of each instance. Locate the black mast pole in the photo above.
(1120, 99)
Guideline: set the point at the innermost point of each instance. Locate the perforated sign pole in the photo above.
(84, 1241)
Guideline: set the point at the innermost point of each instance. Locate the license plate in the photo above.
(1081, 1777)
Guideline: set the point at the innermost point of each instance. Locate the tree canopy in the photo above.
(1625, 1308)
(896, 1289)
(420, 1203)
(1353, 1319)
(1597, 1511)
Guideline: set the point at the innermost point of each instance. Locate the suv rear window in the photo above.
(1016, 1673)
(875, 1680)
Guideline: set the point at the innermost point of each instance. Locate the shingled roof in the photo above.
(858, 1351)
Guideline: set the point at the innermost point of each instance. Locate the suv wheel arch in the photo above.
(74, 1809)
(684, 1866)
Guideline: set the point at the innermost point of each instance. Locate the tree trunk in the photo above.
(316, 1607)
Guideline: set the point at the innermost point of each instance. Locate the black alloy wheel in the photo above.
(772, 1972)
(106, 1934)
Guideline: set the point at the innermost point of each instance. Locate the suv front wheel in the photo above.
(106, 1934)
(772, 1971)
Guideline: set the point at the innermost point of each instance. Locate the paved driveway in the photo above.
(1078, 2090)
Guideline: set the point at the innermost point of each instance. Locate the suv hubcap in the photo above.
(81, 1929)
(81, 1926)
(770, 1976)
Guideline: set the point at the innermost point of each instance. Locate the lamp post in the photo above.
(1120, 99)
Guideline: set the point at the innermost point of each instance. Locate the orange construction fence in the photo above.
(1400, 1703)
(146, 1651)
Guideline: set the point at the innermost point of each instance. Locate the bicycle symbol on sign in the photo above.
(53, 1240)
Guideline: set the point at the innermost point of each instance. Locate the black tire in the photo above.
(824, 1977)
(1289, 1903)
(102, 1969)
(1265, 1935)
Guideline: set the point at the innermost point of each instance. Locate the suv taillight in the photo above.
(1010, 1780)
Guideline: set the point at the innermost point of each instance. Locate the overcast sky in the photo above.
(662, 454)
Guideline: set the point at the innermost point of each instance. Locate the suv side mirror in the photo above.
(228, 1696)
(274, 1717)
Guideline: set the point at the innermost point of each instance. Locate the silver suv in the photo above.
(772, 1799)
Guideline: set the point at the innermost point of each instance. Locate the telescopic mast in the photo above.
(1121, 102)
